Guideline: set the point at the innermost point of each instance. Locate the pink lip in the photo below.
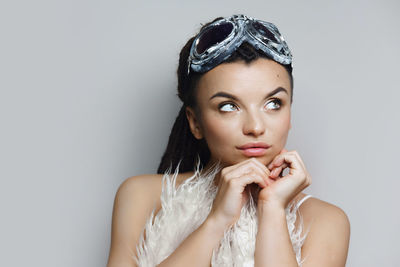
(254, 149)
(254, 144)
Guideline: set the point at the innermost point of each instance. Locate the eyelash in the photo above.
(276, 100)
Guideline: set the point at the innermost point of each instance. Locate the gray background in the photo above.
(88, 100)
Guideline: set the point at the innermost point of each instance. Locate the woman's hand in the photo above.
(284, 188)
(231, 195)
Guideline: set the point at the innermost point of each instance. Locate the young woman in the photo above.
(229, 202)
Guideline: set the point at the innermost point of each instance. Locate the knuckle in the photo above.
(224, 171)
(293, 153)
(226, 178)
(249, 173)
(248, 169)
(232, 182)
(248, 179)
(252, 172)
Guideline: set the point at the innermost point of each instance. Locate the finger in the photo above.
(273, 162)
(244, 167)
(299, 159)
(250, 166)
(270, 165)
(308, 177)
(249, 179)
(284, 150)
(277, 171)
(264, 170)
(292, 161)
(274, 174)
(278, 161)
(230, 168)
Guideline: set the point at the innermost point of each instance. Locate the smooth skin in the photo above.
(241, 115)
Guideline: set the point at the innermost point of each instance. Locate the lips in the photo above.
(255, 145)
(254, 149)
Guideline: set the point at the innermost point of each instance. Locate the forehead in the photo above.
(259, 77)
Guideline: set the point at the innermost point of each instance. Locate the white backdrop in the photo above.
(88, 100)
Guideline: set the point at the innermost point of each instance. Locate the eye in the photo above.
(276, 102)
(223, 106)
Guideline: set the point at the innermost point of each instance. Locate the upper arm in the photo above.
(328, 239)
(132, 205)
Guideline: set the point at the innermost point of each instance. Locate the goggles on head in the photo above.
(217, 41)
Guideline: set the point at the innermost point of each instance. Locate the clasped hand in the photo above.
(274, 188)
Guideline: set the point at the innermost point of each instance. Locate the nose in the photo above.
(253, 123)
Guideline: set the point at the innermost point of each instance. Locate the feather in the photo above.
(184, 209)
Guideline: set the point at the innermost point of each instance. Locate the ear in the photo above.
(193, 123)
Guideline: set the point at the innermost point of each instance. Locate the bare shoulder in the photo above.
(328, 238)
(148, 186)
(315, 208)
(316, 211)
(139, 189)
(141, 192)
(134, 201)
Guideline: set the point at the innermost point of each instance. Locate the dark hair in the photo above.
(184, 151)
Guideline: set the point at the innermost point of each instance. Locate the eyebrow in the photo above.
(273, 92)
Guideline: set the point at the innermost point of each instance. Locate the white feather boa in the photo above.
(185, 208)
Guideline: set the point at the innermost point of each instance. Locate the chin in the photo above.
(265, 161)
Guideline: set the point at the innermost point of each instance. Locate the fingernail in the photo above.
(272, 174)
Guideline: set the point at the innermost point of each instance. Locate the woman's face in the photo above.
(240, 104)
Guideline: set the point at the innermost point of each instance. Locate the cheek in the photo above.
(283, 125)
(219, 130)
(220, 133)
(280, 128)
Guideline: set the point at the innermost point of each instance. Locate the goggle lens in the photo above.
(265, 32)
(212, 36)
